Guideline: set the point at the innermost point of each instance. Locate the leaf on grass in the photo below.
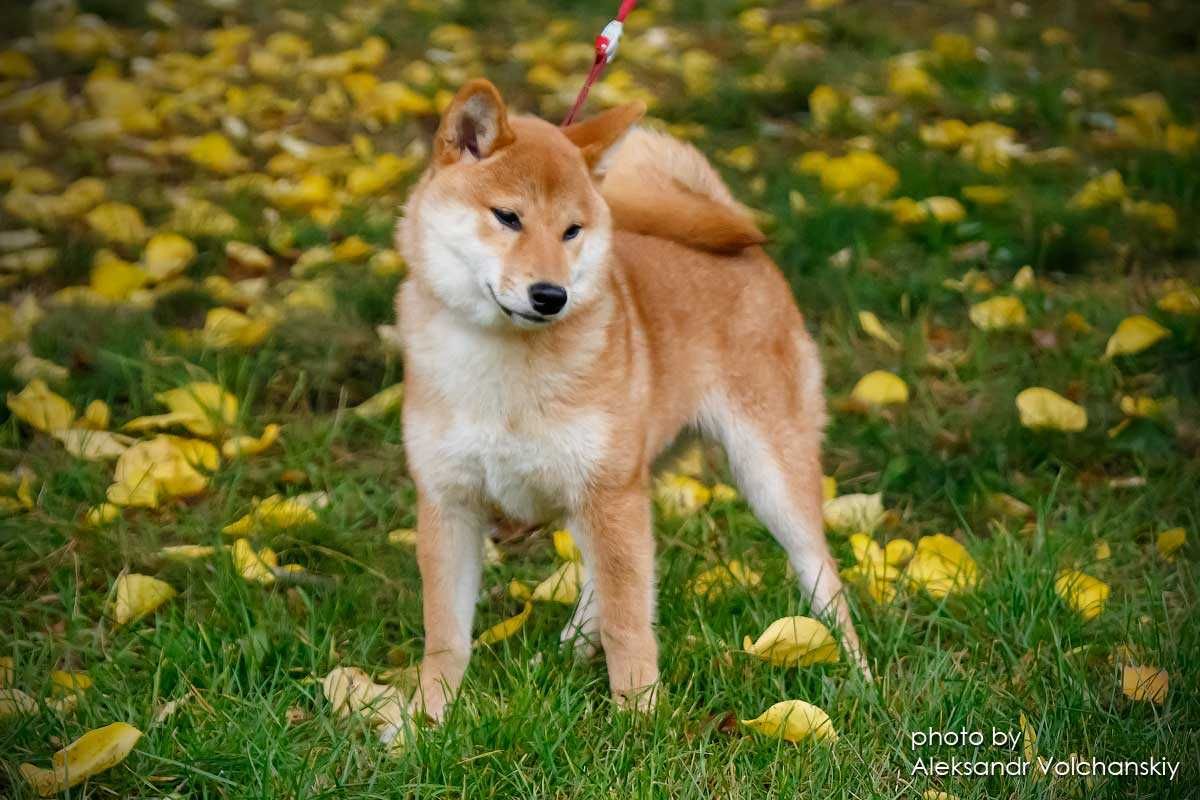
(40, 407)
(255, 566)
(712, 582)
(226, 327)
(680, 495)
(277, 512)
(166, 255)
(502, 630)
(139, 595)
(1133, 335)
(875, 329)
(1146, 684)
(998, 313)
(240, 446)
(1041, 408)
(92, 445)
(382, 403)
(100, 515)
(163, 467)
(1082, 593)
(14, 702)
(880, 388)
(187, 552)
(941, 566)
(794, 721)
(565, 547)
(64, 682)
(854, 512)
(93, 753)
(562, 586)
(794, 642)
(1169, 541)
(209, 407)
(404, 536)
(350, 691)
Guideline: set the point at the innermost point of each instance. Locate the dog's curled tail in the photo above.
(659, 186)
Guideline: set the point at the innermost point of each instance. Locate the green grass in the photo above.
(240, 664)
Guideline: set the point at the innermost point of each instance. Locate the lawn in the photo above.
(976, 198)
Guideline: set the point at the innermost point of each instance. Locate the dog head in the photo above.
(507, 226)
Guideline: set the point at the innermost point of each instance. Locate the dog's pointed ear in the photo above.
(599, 137)
(474, 125)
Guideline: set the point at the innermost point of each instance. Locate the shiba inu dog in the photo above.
(576, 296)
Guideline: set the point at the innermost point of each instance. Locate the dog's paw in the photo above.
(642, 700)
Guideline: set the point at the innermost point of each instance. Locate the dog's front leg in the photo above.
(449, 554)
(621, 545)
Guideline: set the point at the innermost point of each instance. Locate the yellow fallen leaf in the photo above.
(350, 691)
(828, 487)
(38, 406)
(998, 313)
(187, 552)
(226, 327)
(163, 467)
(257, 567)
(167, 255)
(1169, 541)
(277, 512)
(114, 278)
(100, 515)
(208, 407)
(854, 512)
(96, 416)
(1180, 301)
(565, 546)
(93, 753)
(120, 223)
(93, 445)
(8, 668)
(1147, 684)
(880, 388)
(138, 595)
(351, 249)
(794, 642)
(1102, 551)
(723, 493)
(857, 177)
(249, 257)
(382, 403)
(562, 586)
(1042, 408)
(941, 566)
(680, 495)
(1028, 740)
(14, 702)
(794, 721)
(214, 152)
(404, 536)
(66, 681)
(984, 195)
(240, 446)
(383, 172)
(502, 630)
(1134, 335)
(712, 582)
(1104, 190)
(875, 329)
(1082, 593)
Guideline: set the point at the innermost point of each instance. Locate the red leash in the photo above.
(606, 48)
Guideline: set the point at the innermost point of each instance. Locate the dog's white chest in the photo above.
(498, 439)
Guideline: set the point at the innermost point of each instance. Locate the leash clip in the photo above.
(609, 39)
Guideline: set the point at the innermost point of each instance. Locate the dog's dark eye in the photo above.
(571, 232)
(508, 219)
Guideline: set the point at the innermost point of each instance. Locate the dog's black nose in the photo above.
(547, 298)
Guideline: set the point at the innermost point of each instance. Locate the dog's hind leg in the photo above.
(775, 458)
